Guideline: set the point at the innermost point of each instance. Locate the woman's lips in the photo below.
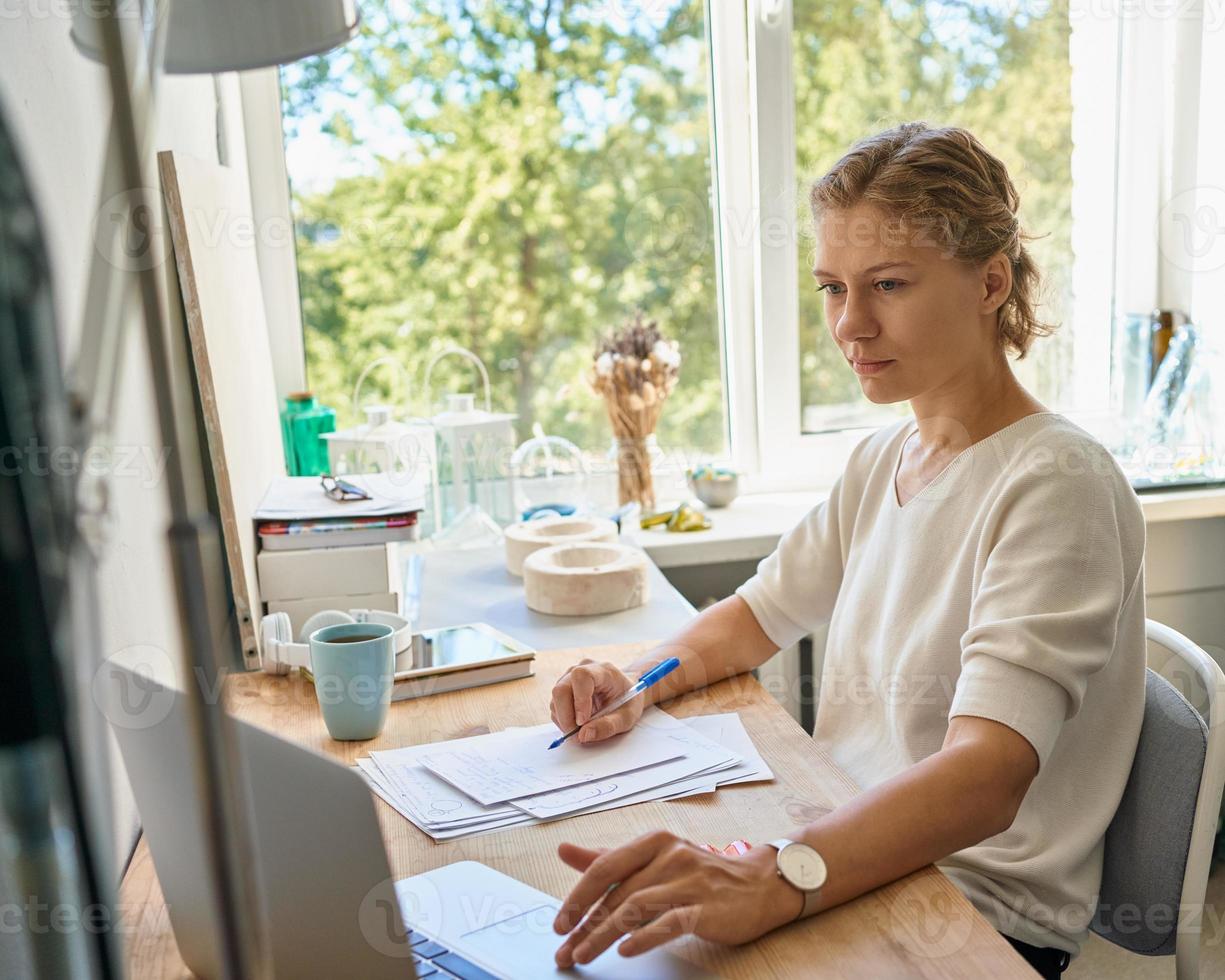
(869, 367)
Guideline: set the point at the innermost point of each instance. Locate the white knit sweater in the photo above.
(1011, 587)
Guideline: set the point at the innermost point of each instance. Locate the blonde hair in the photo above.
(946, 181)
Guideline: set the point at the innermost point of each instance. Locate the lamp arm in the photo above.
(227, 831)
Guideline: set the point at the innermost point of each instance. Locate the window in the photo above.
(518, 177)
(1036, 84)
(515, 177)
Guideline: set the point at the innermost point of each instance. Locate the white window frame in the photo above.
(1147, 147)
(788, 458)
(1208, 284)
(735, 245)
(755, 200)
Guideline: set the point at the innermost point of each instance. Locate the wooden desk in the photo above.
(919, 926)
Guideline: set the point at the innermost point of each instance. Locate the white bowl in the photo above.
(717, 491)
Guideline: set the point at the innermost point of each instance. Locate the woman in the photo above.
(980, 567)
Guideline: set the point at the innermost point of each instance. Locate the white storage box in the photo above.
(319, 572)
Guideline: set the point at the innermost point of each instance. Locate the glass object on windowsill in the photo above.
(303, 424)
(470, 528)
(1130, 375)
(549, 472)
(1183, 440)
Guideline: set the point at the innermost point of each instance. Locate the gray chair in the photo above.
(1159, 844)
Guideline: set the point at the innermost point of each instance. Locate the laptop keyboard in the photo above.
(435, 962)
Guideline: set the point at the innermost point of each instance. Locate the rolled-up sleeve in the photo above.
(1051, 579)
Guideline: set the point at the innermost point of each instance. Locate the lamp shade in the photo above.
(207, 36)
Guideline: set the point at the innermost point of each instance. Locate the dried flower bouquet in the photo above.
(635, 371)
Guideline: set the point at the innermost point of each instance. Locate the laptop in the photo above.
(323, 882)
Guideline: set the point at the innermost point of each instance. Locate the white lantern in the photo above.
(405, 450)
(474, 450)
(402, 448)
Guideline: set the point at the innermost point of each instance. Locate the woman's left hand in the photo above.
(666, 887)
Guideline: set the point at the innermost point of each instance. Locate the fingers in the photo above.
(606, 870)
(675, 922)
(582, 691)
(623, 904)
(561, 704)
(621, 720)
(579, 858)
(638, 910)
(582, 686)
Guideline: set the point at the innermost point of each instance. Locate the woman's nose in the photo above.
(855, 321)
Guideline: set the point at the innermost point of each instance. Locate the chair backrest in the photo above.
(1159, 844)
(1149, 839)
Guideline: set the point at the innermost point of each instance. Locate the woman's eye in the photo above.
(835, 290)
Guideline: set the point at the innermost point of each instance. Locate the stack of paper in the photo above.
(301, 498)
(491, 782)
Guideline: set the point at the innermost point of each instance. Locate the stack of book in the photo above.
(336, 532)
(319, 553)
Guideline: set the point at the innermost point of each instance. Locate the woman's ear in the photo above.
(996, 278)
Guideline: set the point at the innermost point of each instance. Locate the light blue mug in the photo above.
(353, 664)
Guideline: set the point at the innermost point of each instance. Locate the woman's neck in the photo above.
(976, 407)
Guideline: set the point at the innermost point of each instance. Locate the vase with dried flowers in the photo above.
(635, 370)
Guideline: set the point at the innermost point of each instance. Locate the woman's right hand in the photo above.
(583, 690)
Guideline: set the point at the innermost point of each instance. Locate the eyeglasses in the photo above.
(342, 490)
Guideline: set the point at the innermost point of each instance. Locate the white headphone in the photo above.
(279, 653)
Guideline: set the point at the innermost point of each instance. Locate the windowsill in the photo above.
(750, 528)
(1182, 505)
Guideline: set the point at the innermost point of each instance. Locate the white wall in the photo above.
(1184, 568)
(57, 103)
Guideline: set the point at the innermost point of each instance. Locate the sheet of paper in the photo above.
(373, 779)
(728, 730)
(693, 786)
(442, 811)
(302, 498)
(507, 766)
(436, 801)
(700, 754)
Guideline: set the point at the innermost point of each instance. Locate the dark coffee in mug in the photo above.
(358, 638)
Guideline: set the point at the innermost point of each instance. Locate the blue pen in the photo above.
(656, 673)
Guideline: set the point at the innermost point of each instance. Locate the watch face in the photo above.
(802, 866)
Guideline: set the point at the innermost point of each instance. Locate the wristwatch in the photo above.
(802, 868)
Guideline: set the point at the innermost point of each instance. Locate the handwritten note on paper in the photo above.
(378, 784)
(435, 801)
(505, 766)
(699, 754)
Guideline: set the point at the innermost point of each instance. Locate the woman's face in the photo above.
(909, 319)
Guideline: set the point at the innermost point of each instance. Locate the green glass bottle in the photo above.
(294, 402)
(303, 422)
